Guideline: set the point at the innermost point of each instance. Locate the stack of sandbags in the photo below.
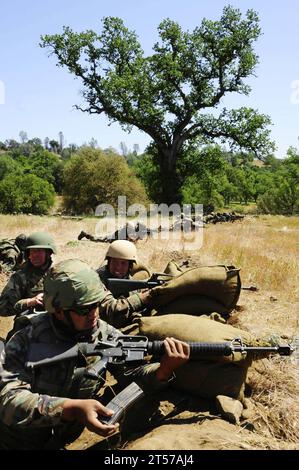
(206, 376)
(198, 291)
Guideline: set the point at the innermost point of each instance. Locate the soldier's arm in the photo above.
(117, 312)
(13, 299)
(12, 295)
(11, 257)
(18, 404)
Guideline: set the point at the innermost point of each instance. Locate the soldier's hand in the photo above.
(176, 353)
(145, 296)
(88, 413)
(36, 301)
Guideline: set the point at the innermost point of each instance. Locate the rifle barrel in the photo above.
(221, 349)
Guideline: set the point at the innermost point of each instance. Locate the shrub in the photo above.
(281, 200)
(8, 166)
(27, 194)
(91, 178)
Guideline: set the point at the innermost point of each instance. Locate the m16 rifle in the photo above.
(125, 286)
(133, 351)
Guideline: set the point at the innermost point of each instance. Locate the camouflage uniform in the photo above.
(11, 256)
(119, 312)
(23, 284)
(31, 403)
(127, 232)
(104, 274)
(28, 281)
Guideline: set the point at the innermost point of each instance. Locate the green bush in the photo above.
(282, 200)
(26, 194)
(8, 166)
(92, 177)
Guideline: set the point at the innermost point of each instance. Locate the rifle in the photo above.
(125, 286)
(133, 350)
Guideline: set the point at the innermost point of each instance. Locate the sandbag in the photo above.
(205, 377)
(173, 269)
(193, 305)
(208, 379)
(191, 328)
(221, 283)
(140, 272)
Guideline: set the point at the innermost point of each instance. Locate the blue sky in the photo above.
(38, 97)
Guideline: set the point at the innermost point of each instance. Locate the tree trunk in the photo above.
(170, 180)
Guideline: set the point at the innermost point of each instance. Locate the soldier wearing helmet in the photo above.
(51, 408)
(24, 289)
(121, 256)
(12, 253)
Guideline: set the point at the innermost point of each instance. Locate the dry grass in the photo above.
(266, 249)
(268, 253)
(275, 385)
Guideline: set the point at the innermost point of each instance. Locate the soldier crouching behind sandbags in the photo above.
(51, 408)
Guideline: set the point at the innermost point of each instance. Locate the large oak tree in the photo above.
(173, 94)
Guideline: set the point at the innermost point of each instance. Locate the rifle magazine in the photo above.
(122, 402)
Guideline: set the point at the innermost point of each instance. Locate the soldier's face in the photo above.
(86, 322)
(119, 267)
(37, 256)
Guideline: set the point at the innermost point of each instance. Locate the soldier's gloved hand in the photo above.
(36, 301)
(176, 353)
(88, 413)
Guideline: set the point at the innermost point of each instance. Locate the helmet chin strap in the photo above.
(69, 321)
(81, 335)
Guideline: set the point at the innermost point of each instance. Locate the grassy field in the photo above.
(266, 248)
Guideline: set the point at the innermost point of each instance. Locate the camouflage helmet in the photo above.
(21, 241)
(41, 240)
(122, 249)
(69, 284)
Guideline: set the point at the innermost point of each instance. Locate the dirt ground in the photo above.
(183, 422)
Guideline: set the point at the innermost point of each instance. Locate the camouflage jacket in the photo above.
(23, 284)
(31, 403)
(10, 255)
(118, 311)
(105, 274)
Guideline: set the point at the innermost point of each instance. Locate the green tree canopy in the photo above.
(170, 95)
(45, 165)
